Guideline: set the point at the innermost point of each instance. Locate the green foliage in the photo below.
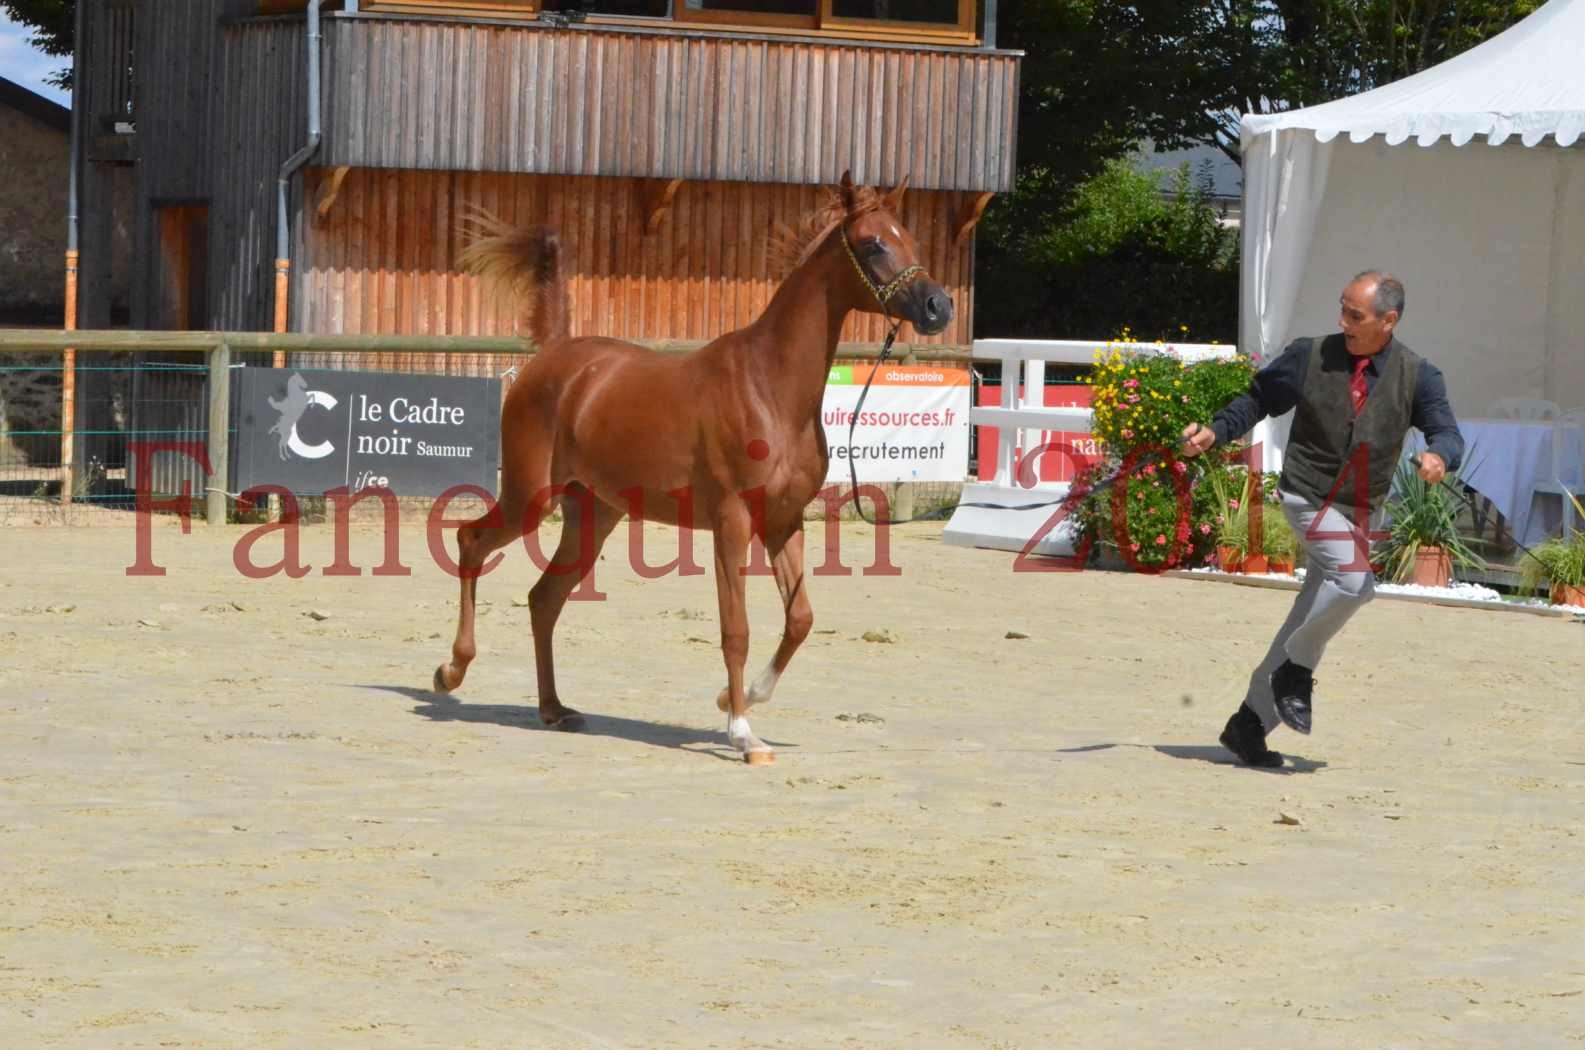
(1165, 511)
(1423, 515)
(1141, 399)
(1130, 245)
(1074, 249)
(1557, 561)
(1277, 540)
(52, 22)
(1293, 53)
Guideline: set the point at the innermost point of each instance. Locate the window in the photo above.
(941, 12)
(932, 16)
(620, 8)
(800, 13)
(925, 21)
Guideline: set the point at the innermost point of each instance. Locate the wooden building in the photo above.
(663, 138)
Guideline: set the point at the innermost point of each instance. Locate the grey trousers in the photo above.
(1337, 583)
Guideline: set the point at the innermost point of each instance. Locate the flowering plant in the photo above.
(1148, 398)
(1162, 511)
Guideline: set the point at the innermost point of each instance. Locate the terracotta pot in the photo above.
(1280, 568)
(1433, 567)
(1254, 564)
(1565, 594)
(1229, 558)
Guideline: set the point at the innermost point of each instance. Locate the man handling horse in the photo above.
(1357, 393)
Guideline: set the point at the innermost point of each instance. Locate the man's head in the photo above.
(1371, 306)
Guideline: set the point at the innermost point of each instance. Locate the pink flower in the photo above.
(1127, 433)
(1205, 528)
(1161, 541)
(1130, 383)
(1133, 399)
(1179, 466)
(1133, 547)
(1150, 470)
(1232, 504)
(1185, 399)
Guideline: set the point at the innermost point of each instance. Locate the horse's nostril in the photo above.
(932, 307)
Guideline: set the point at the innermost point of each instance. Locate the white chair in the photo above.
(1567, 475)
(1528, 409)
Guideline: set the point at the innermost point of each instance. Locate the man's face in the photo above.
(1363, 330)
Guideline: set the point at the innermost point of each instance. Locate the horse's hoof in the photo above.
(569, 721)
(759, 758)
(439, 684)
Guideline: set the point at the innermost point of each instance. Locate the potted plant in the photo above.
(1560, 564)
(1423, 543)
(1256, 560)
(1279, 542)
(1232, 521)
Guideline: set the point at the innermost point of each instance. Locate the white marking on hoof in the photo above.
(754, 750)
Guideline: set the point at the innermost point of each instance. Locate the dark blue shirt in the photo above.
(1276, 389)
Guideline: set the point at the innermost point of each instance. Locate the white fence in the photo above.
(1025, 424)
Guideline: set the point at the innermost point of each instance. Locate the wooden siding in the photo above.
(383, 258)
(261, 120)
(532, 99)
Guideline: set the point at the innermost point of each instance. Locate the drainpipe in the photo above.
(283, 233)
(69, 358)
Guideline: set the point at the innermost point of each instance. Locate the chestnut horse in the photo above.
(727, 438)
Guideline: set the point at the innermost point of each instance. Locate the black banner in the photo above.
(312, 431)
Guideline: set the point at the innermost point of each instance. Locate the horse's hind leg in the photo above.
(586, 522)
(788, 565)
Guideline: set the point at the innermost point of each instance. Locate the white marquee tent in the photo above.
(1467, 181)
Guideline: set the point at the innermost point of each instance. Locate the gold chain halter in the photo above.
(882, 293)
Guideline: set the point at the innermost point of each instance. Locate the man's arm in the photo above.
(1433, 416)
(1274, 390)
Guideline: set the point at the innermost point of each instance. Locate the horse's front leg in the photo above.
(788, 565)
(731, 555)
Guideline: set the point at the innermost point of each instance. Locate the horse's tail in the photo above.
(527, 262)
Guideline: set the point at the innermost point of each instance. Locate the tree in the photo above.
(1286, 54)
(52, 22)
(1098, 77)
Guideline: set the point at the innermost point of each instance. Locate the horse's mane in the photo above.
(788, 246)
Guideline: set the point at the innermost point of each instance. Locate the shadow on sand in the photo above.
(441, 707)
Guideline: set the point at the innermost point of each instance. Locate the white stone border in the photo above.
(1398, 592)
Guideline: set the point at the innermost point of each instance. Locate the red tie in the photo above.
(1356, 384)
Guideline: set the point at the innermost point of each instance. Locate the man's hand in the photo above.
(1432, 469)
(1197, 439)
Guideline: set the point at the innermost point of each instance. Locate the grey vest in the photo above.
(1329, 448)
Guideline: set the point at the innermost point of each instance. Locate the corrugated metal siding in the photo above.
(458, 96)
(383, 259)
(261, 120)
(176, 45)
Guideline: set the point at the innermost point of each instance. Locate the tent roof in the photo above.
(1528, 81)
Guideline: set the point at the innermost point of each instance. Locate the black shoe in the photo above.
(1246, 738)
(1291, 686)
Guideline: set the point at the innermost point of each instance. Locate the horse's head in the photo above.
(886, 261)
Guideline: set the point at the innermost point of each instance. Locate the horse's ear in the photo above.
(850, 194)
(894, 199)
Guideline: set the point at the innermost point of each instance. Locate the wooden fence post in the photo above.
(219, 434)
